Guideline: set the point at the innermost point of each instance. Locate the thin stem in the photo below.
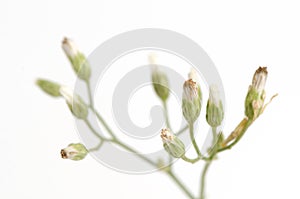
(102, 121)
(166, 114)
(192, 136)
(94, 131)
(182, 130)
(128, 148)
(179, 184)
(191, 160)
(214, 150)
(90, 94)
(203, 179)
(96, 148)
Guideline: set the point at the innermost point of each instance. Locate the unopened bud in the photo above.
(214, 108)
(75, 103)
(159, 79)
(191, 101)
(256, 94)
(74, 152)
(77, 59)
(49, 87)
(172, 144)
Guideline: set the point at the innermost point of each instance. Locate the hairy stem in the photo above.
(180, 184)
(203, 179)
(192, 136)
(166, 115)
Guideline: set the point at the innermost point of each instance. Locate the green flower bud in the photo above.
(74, 152)
(159, 80)
(78, 60)
(51, 88)
(172, 144)
(75, 103)
(214, 108)
(191, 101)
(255, 98)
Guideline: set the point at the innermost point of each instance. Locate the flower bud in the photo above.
(214, 108)
(74, 152)
(159, 80)
(172, 144)
(75, 103)
(256, 94)
(51, 88)
(191, 101)
(77, 59)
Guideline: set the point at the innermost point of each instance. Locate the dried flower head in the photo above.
(256, 94)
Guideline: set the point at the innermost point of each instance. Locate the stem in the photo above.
(179, 183)
(166, 115)
(192, 136)
(90, 94)
(182, 130)
(128, 148)
(237, 139)
(102, 121)
(191, 160)
(203, 179)
(97, 147)
(94, 131)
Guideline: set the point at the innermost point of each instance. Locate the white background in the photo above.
(238, 36)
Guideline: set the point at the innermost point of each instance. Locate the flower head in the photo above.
(49, 87)
(172, 144)
(259, 79)
(256, 94)
(191, 101)
(74, 152)
(214, 108)
(78, 60)
(159, 79)
(74, 102)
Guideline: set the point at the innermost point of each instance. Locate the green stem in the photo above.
(179, 184)
(94, 131)
(191, 160)
(203, 179)
(192, 136)
(90, 94)
(166, 115)
(97, 147)
(182, 130)
(214, 150)
(128, 148)
(102, 121)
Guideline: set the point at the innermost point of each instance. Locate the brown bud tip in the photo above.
(63, 154)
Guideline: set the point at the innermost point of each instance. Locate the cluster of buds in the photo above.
(159, 79)
(256, 94)
(172, 144)
(78, 60)
(74, 152)
(191, 101)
